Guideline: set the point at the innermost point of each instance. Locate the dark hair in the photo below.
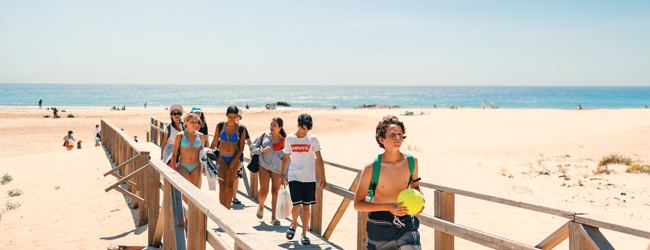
(383, 125)
(202, 120)
(280, 124)
(305, 120)
(70, 132)
(177, 126)
(232, 110)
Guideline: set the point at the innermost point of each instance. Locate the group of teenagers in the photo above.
(293, 159)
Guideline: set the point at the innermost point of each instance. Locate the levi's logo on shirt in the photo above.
(298, 148)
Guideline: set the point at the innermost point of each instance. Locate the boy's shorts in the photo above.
(302, 192)
(387, 231)
(96, 141)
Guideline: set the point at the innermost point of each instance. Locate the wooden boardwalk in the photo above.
(246, 212)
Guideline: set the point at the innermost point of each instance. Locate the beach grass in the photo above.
(6, 179)
(56, 188)
(12, 206)
(14, 192)
(633, 167)
(638, 168)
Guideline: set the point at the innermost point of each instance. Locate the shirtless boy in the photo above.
(389, 226)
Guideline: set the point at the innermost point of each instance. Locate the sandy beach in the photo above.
(540, 156)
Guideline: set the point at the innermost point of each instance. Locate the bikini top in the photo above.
(278, 146)
(233, 138)
(185, 143)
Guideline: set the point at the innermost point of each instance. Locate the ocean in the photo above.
(134, 96)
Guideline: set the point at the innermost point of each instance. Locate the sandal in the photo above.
(290, 233)
(260, 214)
(275, 222)
(305, 241)
(236, 201)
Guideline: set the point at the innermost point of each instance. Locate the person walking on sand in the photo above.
(240, 171)
(230, 148)
(169, 134)
(483, 105)
(55, 111)
(97, 134)
(302, 149)
(269, 147)
(69, 141)
(145, 105)
(40, 103)
(389, 226)
(492, 104)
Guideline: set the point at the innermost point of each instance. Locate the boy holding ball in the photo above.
(389, 224)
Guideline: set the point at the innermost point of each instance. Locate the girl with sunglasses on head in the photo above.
(230, 138)
(170, 132)
(204, 126)
(189, 144)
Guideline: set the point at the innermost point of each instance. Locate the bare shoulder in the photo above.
(199, 133)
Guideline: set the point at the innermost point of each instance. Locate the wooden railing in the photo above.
(166, 223)
(583, 233)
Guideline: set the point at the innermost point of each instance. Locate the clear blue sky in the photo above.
(450, 43)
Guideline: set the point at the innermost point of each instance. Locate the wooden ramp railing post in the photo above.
(143, 188)
(585, 237)
(362, 234)
(153, 202)
(444, 210)
(340, 211)
(254, 191)
(196, 228)
(316, 224)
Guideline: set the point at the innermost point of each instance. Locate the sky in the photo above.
(421, 43)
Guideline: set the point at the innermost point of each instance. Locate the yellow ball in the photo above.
(412, 199)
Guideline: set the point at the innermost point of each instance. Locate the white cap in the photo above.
(175, 107)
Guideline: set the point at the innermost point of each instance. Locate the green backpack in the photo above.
(375, 173)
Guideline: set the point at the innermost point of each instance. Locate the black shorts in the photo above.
(386, 231)
(302, 192)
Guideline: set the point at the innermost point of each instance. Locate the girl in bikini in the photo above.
(269, 147)
(230, 138)
(189, 141)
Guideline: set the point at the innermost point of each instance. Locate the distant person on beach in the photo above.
(97, 134)
(579, 107)
(79, 144)
(301, 160)
(452, 106)
(135, 138)
(123, 107)
(113, 108)
(145, 105)
(170, 132)
(389, 226)
(188, 143)
(229, 137)
(240, 171)
(69, 141)
(247, 106)
(55, 111)
(483, 105)
(269, 146)
(492, 104)
(40, 103)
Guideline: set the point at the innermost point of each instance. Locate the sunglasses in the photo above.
(177, 113)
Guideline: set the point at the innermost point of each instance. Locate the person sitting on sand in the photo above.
(579, 107)
(452, 106)
(389, 225)
(188, 143)
(69, 141)
(269, 147)
(230, 138)
(79, 144)
(169, 134)
(483, 105)
(301, 160)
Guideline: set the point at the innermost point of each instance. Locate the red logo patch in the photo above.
(298, 148)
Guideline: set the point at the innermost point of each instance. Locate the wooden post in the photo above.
(148, 137)
(169, 237)
(316, 222)
(362, 234)
(339, 212)
(444, 210)
(254, 186)
(196, 228)
(143, 188)
(153, 201)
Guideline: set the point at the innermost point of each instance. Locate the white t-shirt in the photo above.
(303, 160)
(95, 131)
(172, 136)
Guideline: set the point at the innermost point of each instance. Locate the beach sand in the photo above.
(545, 157)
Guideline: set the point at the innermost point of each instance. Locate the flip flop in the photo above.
(290, 233)
(236, 202)
(260, 214)
(305, 241)
(275, 222)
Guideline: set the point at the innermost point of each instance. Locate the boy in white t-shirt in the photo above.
(301, 160)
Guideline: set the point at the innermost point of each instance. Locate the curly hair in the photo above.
(383, 125)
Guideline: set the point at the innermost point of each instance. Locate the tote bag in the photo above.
(284, 204)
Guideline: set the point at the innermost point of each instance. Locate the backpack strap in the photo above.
(376, 167)
(411, 167)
